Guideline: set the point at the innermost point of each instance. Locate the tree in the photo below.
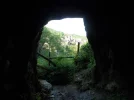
(53, 39)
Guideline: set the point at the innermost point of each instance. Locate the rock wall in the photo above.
(108, 35)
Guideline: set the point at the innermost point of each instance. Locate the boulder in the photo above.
(45, 85)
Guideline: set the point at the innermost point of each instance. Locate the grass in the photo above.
(66, 67)
(64, 70)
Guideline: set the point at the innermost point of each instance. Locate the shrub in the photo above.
(63, 73)
(42, 62)
(85, 58)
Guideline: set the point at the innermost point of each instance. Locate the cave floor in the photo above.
(70, 92)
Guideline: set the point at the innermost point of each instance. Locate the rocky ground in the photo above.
(70, 92)
(79, 90)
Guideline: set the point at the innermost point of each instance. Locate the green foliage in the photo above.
(52, 39)
(65, 67)
(42, 66)
(61, 74)
(85, 58)
(41, 61)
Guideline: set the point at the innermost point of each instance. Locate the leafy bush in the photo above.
(43, 67)
(66, 67)
(63, 73)
(41, 61)
(85, 58)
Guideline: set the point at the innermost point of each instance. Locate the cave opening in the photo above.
(63, 50)
(63, 53)
(82, 72)
(107, 32)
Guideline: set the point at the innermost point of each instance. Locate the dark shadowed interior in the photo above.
(107, 30)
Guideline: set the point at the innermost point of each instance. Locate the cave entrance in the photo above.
(63, 50)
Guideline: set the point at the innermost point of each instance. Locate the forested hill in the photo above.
(66, 34)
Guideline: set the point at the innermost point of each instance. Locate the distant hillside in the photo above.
(55, 31)
(65, 34)
(77, 36)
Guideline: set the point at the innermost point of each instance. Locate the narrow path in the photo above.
(70, 92)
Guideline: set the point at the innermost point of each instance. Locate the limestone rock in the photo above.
(45, 85)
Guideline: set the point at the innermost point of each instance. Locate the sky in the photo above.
(68, 25)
